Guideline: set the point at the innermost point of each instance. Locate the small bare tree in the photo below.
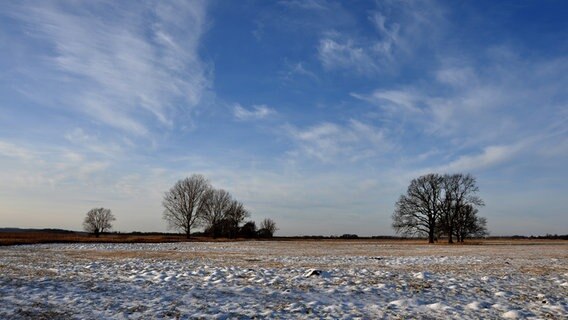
(185, 203)
(267, 228)
(98, 220)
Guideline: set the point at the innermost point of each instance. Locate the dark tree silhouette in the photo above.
(467, 224)
(267, 228)
(98, 220)
(460, 198)
(248, 230)
(235, 216)
(217, 205)
(436, 205)
(418, 211)
(185, 203)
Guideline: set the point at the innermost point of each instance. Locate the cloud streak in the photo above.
(399, 27)
(257, 112)
(118, 69)
(331, 142)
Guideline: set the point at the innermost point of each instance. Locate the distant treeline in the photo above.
(350, 236)
(545, 237)
(343, 236)
(48, 230)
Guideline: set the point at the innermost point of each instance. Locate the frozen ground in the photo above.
(252, 280)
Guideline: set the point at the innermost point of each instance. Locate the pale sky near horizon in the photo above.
(314, 113)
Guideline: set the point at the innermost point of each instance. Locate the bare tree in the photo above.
(436, 205)
(185, 203)
(460, 198)
(248, 230)
(467, 224)
(267, 228)
(217, 205)
(418, 211)
(98, 220)
(236, 214)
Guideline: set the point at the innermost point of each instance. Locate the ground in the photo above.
(284, 279)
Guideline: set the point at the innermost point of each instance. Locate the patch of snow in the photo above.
(513, 314)
(244, 280)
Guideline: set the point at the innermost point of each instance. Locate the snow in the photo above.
(286, 279)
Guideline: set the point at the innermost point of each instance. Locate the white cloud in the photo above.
(11, 150)
(393, 101)
(258, 112)
(83, 141)
(307, 4)
(389, 35)
(45, 166)
(399, 27)
(329, 142)
(300, 70)
(345, 54)
(126, 65)
(489, 157)
(456, 76)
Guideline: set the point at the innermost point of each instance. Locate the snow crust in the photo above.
(287, 280)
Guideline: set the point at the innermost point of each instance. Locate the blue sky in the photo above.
(316, 114)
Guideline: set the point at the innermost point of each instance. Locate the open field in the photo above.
(364, 279)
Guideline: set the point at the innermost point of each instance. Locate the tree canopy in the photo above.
(440, 205)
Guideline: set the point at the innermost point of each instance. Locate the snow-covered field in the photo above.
(287, 279)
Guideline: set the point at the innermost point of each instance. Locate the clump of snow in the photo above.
(513, 314)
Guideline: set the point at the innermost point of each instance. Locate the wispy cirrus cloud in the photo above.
(501, 101)
(256, 112)
(92, 143)
(298, 70)
(11, 150)
(398, 28)
(35, 166)
(489, 157)
(336, 53)
(115, 67)
(330, 142)
(393, 101)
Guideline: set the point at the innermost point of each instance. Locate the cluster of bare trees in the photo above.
(266, 229)
(440, 205)
(192, 202)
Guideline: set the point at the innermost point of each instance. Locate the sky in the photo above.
(316, 114)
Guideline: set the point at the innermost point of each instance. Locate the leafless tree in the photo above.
(98, 220)
(185, 203)
(460, 198)
(267, 228)
(248, 230)
(467, 223)
(436, 205)
(236, 214)
(217, 206)
(418, 211)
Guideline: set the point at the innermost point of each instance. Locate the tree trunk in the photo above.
(431, 236)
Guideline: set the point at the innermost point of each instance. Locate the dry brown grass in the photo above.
(15, 238)
(38, 237)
